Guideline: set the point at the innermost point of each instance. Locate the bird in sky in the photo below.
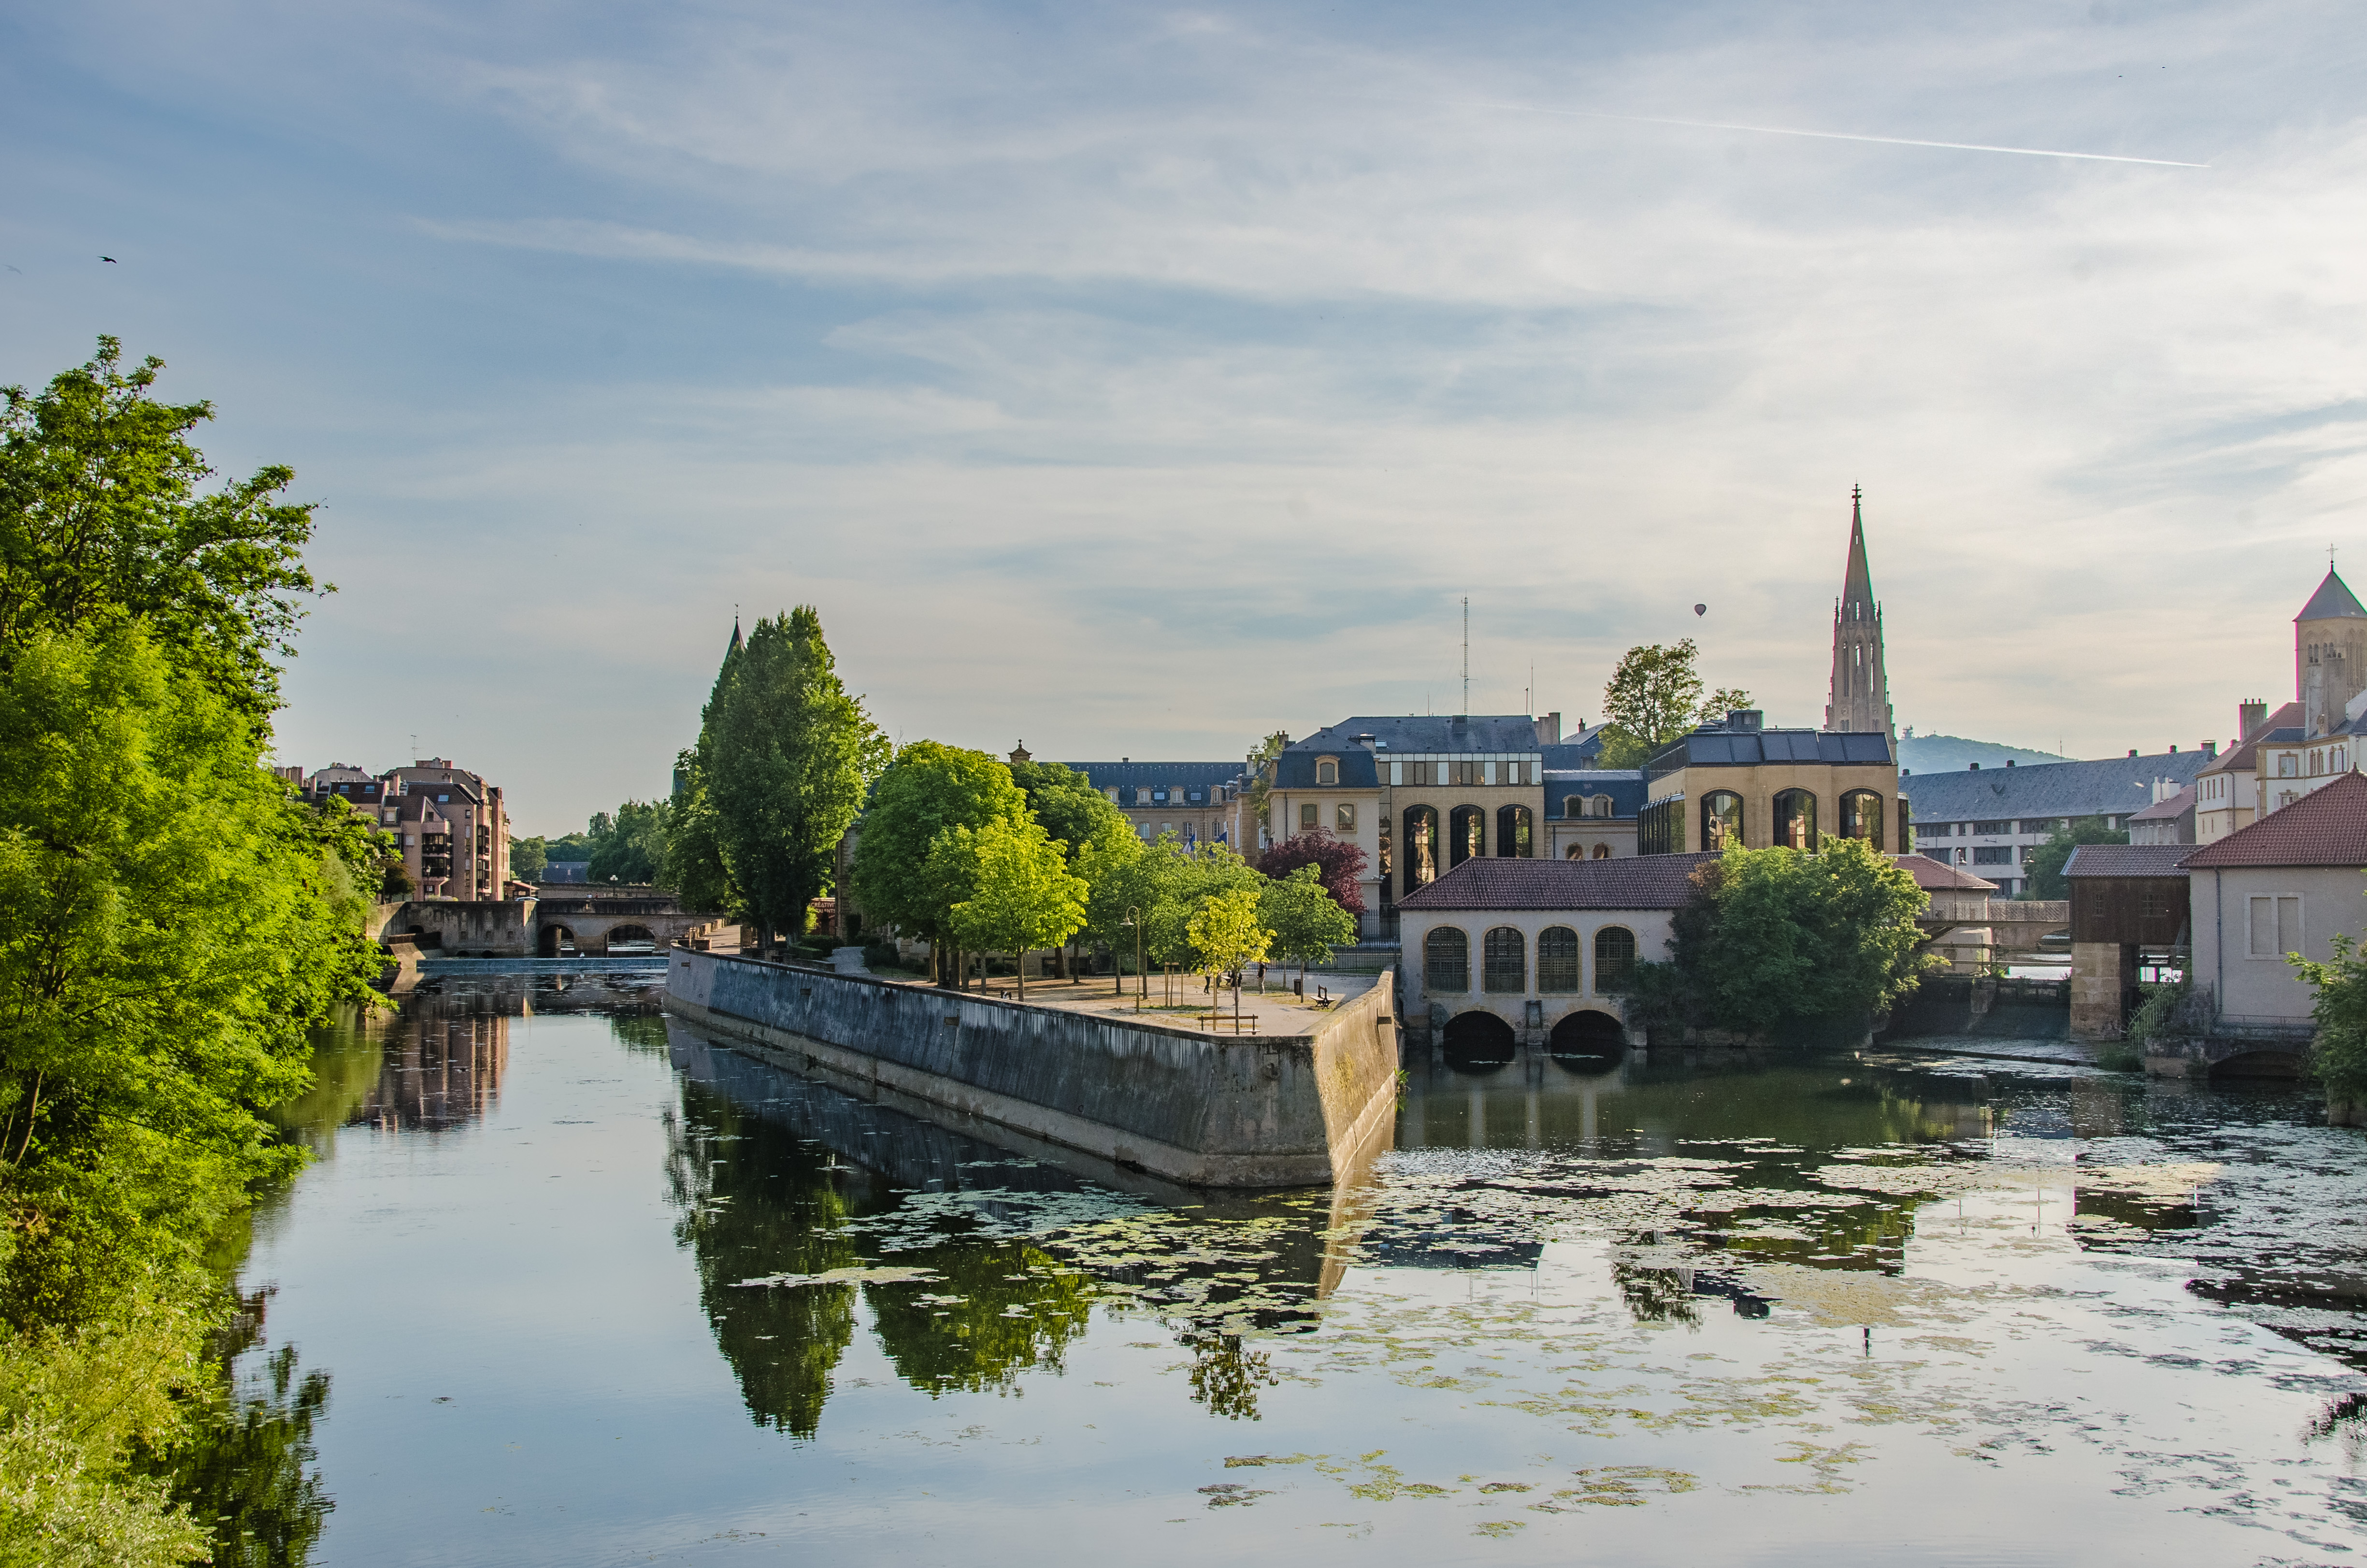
(110, 258)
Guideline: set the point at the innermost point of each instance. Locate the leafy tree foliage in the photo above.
(1021, 896)
(574, 846)
(2339, 1054)
(1227, 934)
(1073, 811)
(105, 519)
(1339, 864)
(529, 857)
(1166, 883)
(1305, 920)
(1655, 695)
(694, 864)
(927, 790)
(2044, 869)
(1777, 938)
(629, 846)
(784, 758)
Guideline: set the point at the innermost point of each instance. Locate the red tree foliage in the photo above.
(1338, 862)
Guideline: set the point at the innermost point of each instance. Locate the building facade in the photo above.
(1739, 782)
(1191, 799)
(449, 824)
(2288, 883)
(1991, 820)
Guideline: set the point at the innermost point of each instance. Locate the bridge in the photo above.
(562, 920)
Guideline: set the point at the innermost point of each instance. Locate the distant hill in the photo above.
(1952, 753)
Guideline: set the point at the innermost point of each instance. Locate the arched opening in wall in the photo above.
(1721, 823)
(1558, 961)
(1479, 1042)
(1420, 847)
(555, 942)
(1795, 819)
(1603, 852)
(1862, 816)
(1586, 1042)
(1504, 960)
(1614, 958)
(1515, 830)
(1575, 852)
(1446, 961)
(1466, 834)
(2277, 1064)
(628, 940)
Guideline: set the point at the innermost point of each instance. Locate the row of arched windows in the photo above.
(1465, 838)
(1504, 960)
(1794, 815)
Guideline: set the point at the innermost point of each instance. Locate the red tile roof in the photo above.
(2326, 827)
(1641, 881)
(2240, 758)
(2169, 809)
(1938, 876)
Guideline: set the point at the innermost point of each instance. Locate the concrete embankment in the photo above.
(1247, 1111)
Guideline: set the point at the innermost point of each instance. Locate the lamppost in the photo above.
(1134, 919)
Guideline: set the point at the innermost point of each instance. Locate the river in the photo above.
(569, 1284)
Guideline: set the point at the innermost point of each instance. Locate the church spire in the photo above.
(1861, 689)
(735, 636)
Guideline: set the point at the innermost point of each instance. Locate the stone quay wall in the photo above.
(1206, 1110)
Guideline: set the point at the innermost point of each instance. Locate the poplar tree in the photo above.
(785, 756)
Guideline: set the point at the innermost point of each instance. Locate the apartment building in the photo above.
(449, 824)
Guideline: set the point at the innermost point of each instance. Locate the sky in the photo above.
(1136, 380)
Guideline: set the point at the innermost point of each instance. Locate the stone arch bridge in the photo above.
(561, 920)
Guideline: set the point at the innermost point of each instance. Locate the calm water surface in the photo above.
(570, 1284)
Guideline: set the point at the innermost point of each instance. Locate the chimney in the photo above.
(2008, 762)
(2173, 748)
(2211, 748)
(1549, 729)
(2249, 717)
(1749, 721)
(1976, 767)
(2132, 751)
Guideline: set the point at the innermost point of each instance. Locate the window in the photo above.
(1573, 806)
(1467, 773)
(1397, 772)
(1420, 847)
(1159, 796)
(1721, 820)
(1511, 773)
(1992, 854)
(2316, 763)
(1862, 816)
(1308, 817)
(1466, 834)
(1446, 961)
(2286, 762)
(1992, 827)
(2276, 926)
(444, 798)
(1557, 959)
(1326, 771)
(2342, 759)
(1602, 805)
(2153, 901)
(1343, 819)
(1614, 957)
(1198, 796)
(1504, 960)
(1514, 833)
(1795, 819)
(1575, 852)
(1603, 852)
(2287, 798)
(1661, 828)
(1388, 862)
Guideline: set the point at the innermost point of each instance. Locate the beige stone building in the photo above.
(450, 825)
(1737, 780)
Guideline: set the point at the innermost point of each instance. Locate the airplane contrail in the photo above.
(1846, 136)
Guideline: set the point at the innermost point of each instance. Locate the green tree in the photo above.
(2044, 868)
(694, 864)
(1778, 939)
(528, 858)
(1074, 814)
(785, 756)
(1022, 895)
(2339, 1052)
(928, 788)
(105, 520)
(1228, 935)
(1305, 920)
(629, 846)
(1655, 695)
(1260, 771)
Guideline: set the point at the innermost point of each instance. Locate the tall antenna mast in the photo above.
(1466, 655)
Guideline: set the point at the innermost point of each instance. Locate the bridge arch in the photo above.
(1584, 1040)
(1479, 1042)
(632, 937)
(2268, 1061)
(554, 941)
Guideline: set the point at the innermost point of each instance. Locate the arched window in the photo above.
(1721, 819)
(1558, 960)
(1575, 806)
(1466, 834)
(1420, 847)
(1603, 852)
(1576, 852)
(1504, 955)
(1614, 957)
(1445, 960)
(1326, 772)
(1513, 830)
(1602, 805)
(1862, 816)
(1795, 819)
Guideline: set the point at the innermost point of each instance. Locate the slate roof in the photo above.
(2119, 786)
(1938, 876)
(2128, 860)
(1747, 748)
(1422, 733)
(2332, 599)
(2324, 827)
(1577, 751)
(2169, 808)
(1294, 769)
(1624, 785)
(1648, 881)
(1144, 775)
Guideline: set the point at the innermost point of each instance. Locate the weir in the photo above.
(1210, 1112)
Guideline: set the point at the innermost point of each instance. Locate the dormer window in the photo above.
(1327, 770)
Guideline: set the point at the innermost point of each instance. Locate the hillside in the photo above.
(1949, 753)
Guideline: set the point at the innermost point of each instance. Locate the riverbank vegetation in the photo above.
(1774, 941)
(172, 922)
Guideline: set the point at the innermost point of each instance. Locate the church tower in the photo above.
(1861, 693)
(2330, 654)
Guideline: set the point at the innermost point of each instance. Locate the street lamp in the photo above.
(1134, 919)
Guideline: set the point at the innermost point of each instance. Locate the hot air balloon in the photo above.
(1701, 610)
